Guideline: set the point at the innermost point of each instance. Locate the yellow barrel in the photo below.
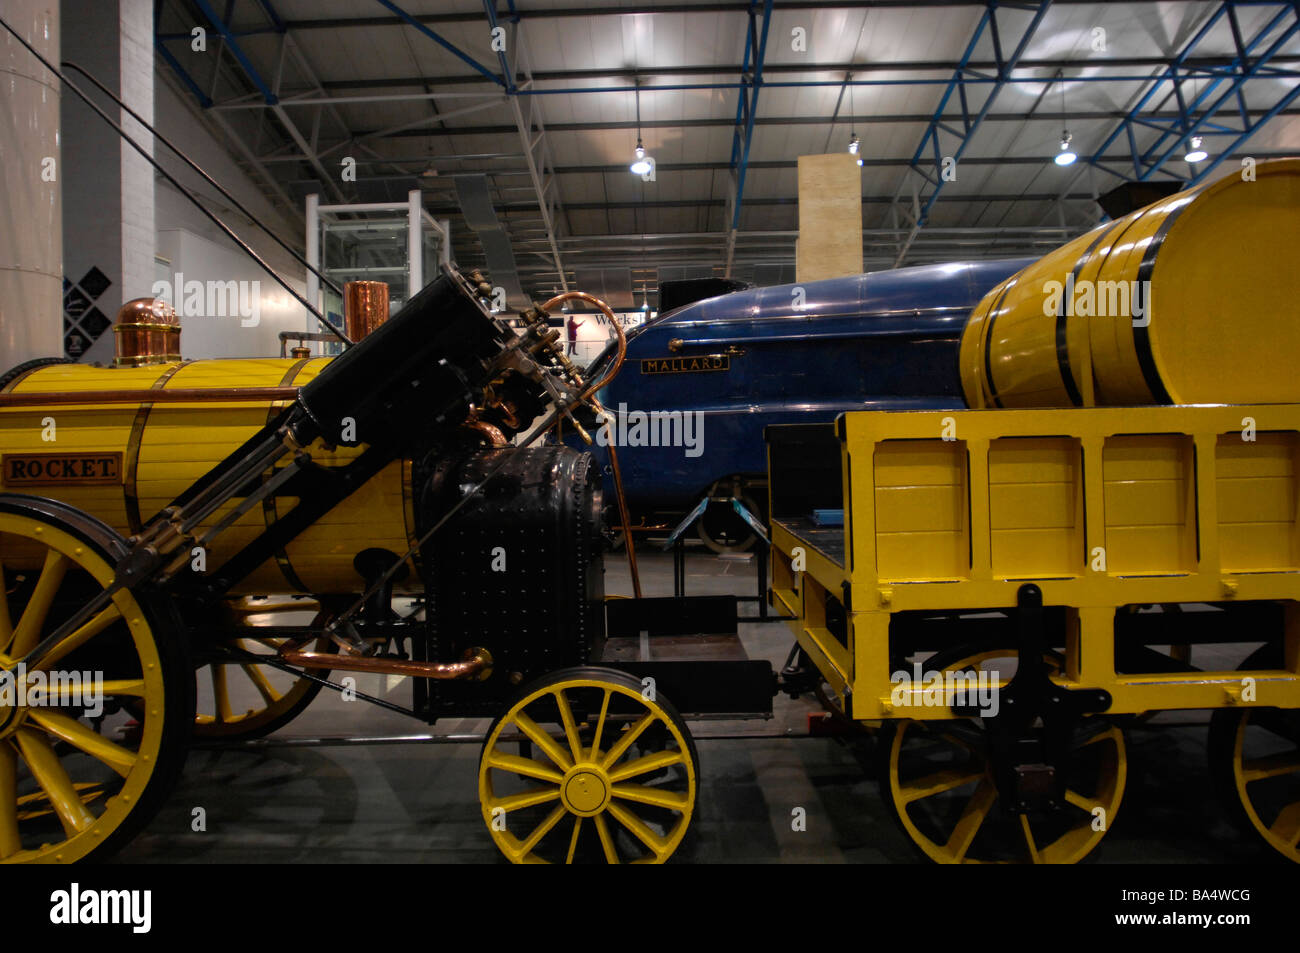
(123, 462)
(1186, 301)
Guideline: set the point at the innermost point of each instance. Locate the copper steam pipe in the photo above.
(477, 664)
(613, 452)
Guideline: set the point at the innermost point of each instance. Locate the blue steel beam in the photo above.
(1235, 87)
(237, 51)
(1238, 75)
(1168, 74)
(757, 85)
(491, 8)
(1246, 134)
(204, 100)
(445, 44)
(1006, 65)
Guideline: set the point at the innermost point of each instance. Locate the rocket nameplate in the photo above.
(64, 469)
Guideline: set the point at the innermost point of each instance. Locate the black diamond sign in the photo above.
(95, 283)
(94, 323)
(74, 345)
(75, 302)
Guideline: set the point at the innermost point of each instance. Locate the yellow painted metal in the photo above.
(1267, 784)
(587, 772)
(1221, 323)
(940, 786)
(167, 447)
(27, 752)
(1102, 508)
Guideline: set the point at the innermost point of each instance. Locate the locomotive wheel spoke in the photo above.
(634, 824)
(640, 803)
(620, 747)
(529, 798)
(539, 737)
(1034, 857)
(1082, 803)
(235, 712)
(938, 783)
(96, 624)
(6, 624)
(541, 830)
(648, 795)
(524, 767)
(54, 781)
(972, 817)
(600, 727)
(1286, 826)
(606, 841)
(646, 764)
(573, 840)
(10, 840)
(85, 739)
(570, 727)
(221, 694)
(32, 621)
(269, 694)
(1257, 769)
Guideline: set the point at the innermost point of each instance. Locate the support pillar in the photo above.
(31, 177)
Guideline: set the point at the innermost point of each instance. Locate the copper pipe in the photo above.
(618, 330)
(180, 395)
(493, 433)
(613, 454)
(365, 307)
(628, 544)
(477, 664)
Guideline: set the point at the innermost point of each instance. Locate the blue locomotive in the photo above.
(702, 381)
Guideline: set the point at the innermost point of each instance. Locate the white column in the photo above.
(415, 242)
(31, 176)
(312, 241)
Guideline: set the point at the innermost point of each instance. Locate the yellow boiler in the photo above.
(122, 462)
(1186, 301)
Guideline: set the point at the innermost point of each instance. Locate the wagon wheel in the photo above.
(612, 778)
(939, 785)
(1255, 762)
(269, 698)
(74, 786)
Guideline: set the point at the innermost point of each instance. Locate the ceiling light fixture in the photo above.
(1065, 155)
(642, 164)
(1194, 151)
(855, 143)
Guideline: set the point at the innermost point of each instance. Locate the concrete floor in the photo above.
(416, 801)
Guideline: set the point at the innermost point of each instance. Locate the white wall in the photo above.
(198, 249)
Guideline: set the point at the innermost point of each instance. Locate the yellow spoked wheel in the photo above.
(1255, 761)
(613, 779)
(940, 787)
(238, 700)
(79, 775)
